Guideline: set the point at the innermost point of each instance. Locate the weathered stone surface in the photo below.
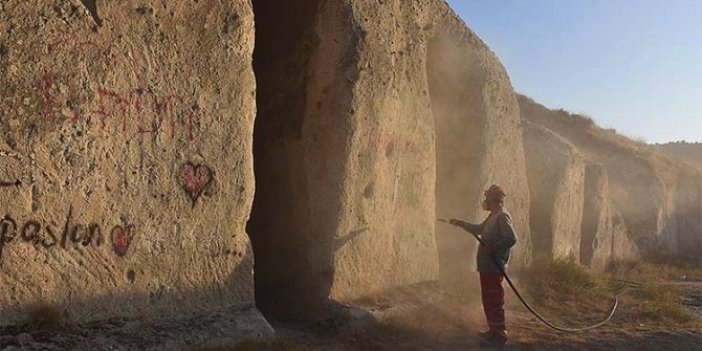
(367, 140)
(478, 140)
(556, 174)
(389, 187)
(345, 160)
(688, 215)
(129, 126)
(604, 235)
(128, 152)
(624, 247)
(658, 198)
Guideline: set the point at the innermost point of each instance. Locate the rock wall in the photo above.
(556, 173)
(129, 152)
(354, 167)
(479, 142)
(423, 148)
(688, 216)
(604, 235)
(346, 199)
(129, 156)
(655, 199)
(389, 193)
(126, 132)
(366, 140)
(572, 214)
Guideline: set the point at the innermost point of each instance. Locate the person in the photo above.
(499, 237)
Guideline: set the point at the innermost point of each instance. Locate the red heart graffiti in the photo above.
(121, 238)
(195, 180)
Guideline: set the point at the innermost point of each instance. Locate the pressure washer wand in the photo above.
(531, 309)
(480, 240)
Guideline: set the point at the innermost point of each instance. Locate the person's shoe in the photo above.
(492, 343)
(485, 335)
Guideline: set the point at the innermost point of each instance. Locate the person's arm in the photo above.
(476, 229)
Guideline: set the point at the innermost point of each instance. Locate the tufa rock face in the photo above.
(604, 235)
(688, 215)
(129, 149)
(478, 142)
(556, 173)
(129, 128)
(658, 198)
(344, 154)
(367, 140)
(572, 214)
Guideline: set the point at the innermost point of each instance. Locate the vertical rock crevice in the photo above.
(594, 223)
(280, 221)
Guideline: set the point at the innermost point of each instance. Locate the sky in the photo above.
(632, 65)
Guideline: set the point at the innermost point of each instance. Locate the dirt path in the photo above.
(437, 332)
(424, 323)
(526, 334)
(440, 327)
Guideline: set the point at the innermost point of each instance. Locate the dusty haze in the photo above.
(151, 152)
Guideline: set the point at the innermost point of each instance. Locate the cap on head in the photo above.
(495, 193)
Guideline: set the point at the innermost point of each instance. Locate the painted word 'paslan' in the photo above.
(72, 235)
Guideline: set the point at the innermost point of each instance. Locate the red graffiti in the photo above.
(195, 180)
(45, 86)
(138, 111)
(389, 144)
(143, 111)
(135, 110)
(121, 239)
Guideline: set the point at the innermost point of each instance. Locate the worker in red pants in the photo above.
(497, 233)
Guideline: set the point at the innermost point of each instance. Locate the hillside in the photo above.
(690, 153)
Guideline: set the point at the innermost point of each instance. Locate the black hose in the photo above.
(551, 325)
(531, 309)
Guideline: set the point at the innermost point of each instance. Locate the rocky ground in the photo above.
(450, 327)
(417, 319)
(526, 335)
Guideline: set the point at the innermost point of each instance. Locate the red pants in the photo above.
(493, 295)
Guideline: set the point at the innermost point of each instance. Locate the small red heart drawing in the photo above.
(195, 180)
(121, 238)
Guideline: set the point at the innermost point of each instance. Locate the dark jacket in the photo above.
(497, 231)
